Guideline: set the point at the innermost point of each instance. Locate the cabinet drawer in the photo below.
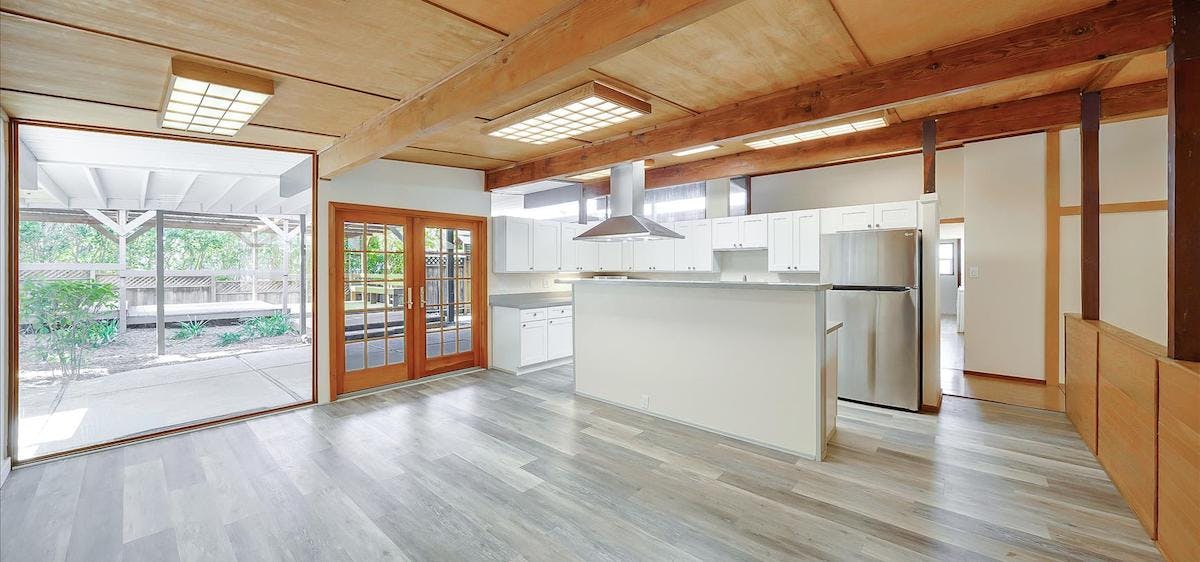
(534, 314)
(559, 311)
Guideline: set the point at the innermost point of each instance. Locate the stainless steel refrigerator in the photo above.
(876, 277)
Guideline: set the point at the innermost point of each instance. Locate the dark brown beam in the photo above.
(993, 121)
(1110, 32)
(1089, 198)
(929, 154)
(1183, 184)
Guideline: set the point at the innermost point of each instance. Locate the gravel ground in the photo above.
(135, 349)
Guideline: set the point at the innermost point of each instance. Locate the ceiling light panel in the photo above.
(830, 131)
(577, 111)
(696, 150)
(211, 100)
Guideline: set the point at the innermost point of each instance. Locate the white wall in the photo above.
(1133, 246)
(1004, 204)
(873, 181)
(387, 183)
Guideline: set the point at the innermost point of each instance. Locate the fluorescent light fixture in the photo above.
(207, 99)
(696, 150)
(829, 131)
(588, 176)
(577, 111)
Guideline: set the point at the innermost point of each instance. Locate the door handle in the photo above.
(410, 298)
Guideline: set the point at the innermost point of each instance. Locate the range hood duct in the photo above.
(626, 200)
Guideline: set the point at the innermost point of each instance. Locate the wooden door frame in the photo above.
(479, 289)
(478, 226)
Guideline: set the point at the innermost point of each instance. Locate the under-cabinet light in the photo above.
(696, 150)
(831, 131)
(574, 112)
(216, 101)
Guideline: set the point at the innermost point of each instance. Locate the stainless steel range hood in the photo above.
(626, 200)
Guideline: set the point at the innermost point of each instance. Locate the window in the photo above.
(739, 197)
(946, 257)
(676, 203)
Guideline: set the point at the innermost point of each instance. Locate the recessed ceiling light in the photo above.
(696, 150)
(588, 176)
(829, 131)
(207, 99)
(580, 110)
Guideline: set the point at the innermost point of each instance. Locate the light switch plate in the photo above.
(973, 272)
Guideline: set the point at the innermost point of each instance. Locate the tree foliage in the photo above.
(63, 315)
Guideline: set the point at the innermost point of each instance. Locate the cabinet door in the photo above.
(726, 233)
(664, 253)
(569, 248)
(807, 226)
(518, 242)
(831, 220)
(701, 246)
(858, 217)
(683, 246)
(559, 334)
(546, 244)
(589, 255)
(643, 255)
(609, 256)
(533, 342)
(781, 242)
(754, 231)
(901, 214)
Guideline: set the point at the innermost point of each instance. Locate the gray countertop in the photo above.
(525, 301)
(700, 284)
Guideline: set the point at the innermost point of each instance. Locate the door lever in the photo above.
(409, 298)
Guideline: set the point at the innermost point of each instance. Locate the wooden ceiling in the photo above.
(336, 67)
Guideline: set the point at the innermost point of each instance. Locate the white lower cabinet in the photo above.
(525, 340)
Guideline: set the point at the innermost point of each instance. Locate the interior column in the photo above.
(1183, 183)
(1089, 236)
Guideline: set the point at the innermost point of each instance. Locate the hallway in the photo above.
(967, 384)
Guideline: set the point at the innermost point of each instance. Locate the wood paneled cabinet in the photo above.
(694, 251)
(1127, 398)
(1082, 377)
(794, 241)
(747, 232)
(899, 214)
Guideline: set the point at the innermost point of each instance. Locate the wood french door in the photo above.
(404, 299)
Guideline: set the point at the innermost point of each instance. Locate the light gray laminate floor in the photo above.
(496, 467)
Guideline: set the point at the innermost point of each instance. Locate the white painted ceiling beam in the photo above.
(97, 186)
(216, 201)
(46, 183)
(187, 190)
(107, 166)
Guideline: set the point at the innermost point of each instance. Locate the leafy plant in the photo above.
(190, 329)
(103, 332)
(277, 324)
(228, 338)
(62, 314)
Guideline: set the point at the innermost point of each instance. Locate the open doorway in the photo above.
(160, 284)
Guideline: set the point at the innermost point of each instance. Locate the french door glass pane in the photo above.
(353, 235)
(447, 291)
(374, 242)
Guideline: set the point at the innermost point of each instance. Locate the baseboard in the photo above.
(932, 408)
(1012, 378)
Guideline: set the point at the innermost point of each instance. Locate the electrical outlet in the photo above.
(645, 401)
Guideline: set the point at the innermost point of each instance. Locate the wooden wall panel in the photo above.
(1128, 423)
(1081, 373)
(1179, 460)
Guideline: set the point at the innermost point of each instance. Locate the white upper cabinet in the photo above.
(547, 245)
(512, 246)
(694, 251)
(577, 255)
(683, 246)
(655, 255)
(609, 256)
(901, 214)
(793, 241)
(739, 233)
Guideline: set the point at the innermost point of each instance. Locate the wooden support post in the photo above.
(1183, 183)
(929, 153)
(1053, 238)
(160, 285)
(287, 263)
(1089, 250)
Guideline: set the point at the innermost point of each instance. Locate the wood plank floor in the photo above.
(956, 382)
(490, 466)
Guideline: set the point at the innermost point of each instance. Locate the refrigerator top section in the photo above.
(871, 258)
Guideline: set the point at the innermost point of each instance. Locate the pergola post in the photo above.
(287, 254)
(254, 267)
(303, 277)
(122, 259)
(160, 284)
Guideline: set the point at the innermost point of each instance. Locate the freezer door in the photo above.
(897, 258)
(849, 258)
(856, 342)
(897, 377)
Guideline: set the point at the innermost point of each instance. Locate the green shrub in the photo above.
(62, 314)
(229, 338)
(277, 324)
(190, 329)
(102, 333)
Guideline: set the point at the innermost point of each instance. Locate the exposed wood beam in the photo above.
(1183, 184)
(1104, 74)
(566, 43)
(929, 155)
(1089, 198)
(1023, 116)
(1115, 30)
(97, 187)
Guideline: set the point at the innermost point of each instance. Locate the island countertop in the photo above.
(702, 284)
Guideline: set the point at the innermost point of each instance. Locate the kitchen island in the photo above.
(740, 359)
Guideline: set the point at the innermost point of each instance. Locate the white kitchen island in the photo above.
(741, 359)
